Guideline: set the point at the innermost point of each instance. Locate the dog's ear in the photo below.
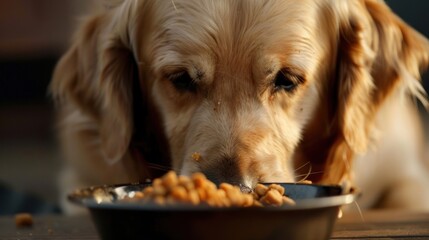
(95, 77)
(402, 53)
(378, 54)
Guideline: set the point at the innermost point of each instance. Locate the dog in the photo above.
(246, 91)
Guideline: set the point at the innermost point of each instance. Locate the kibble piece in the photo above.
(148, 191)
(159, 200)
(277, 187)
(138, 195)
(159, 190)
(169, 180)
(255, 195)
(210, 185)
(182, 179)
(23, 220)
(306, 182)
(260, 189)
(248, 200)
(226, 186)
(235, 197)
(157, 182)
(196, 156)
(272, 197)
(199, 180)
(179, 193)
(193, 197)
(221, 193)
(257, 204)
(288, 201)
(210, 193)
(189, 186)
(202, 194)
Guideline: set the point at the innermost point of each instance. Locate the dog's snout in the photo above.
(226, 169)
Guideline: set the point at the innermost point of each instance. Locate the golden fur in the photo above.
(169, 78)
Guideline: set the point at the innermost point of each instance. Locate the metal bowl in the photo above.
(313, 216)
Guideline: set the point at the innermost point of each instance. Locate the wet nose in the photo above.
(227, 170)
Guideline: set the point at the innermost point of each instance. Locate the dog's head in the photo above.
(243, 91)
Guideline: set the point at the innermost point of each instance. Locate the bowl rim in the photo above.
(89, 202)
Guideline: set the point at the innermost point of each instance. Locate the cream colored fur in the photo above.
(355, 67)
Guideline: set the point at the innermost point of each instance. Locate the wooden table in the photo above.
(373, 225)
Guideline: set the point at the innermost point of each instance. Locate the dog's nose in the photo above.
(226, 170)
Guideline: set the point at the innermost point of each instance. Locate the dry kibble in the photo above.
(306, 181)
(157, 182)
(199, 180)
(226, 186)
(202, 194)
(288, 201)
(170, 180)
(221, 193)
(196, 156)
(159, 191)
(197, 189)
(248, 200)
(179, 193)
(210, 194)
(23, 220)
(272, 197)
(260, 189)
(189, 186)
(277, 187)
(257, 204)
(182, 180)
(138, 195)
(210, 185)
(254, 195)
(194, 198)
(148, 191)
(159, 200)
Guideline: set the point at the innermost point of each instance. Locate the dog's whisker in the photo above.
(360, 211)
(160, 167)
(308, 174)
(174, 5)
(305, 164)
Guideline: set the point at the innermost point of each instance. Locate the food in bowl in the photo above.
(172, 189)
(123, 212)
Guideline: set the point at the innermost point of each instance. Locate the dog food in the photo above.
(196, 156)
(197, 189)
(23, 220)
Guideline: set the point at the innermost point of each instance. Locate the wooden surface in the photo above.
(383, 224)
(373, 225)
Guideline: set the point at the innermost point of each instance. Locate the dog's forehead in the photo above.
(228, 31)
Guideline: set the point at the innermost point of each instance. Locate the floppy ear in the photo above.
(378, 54)
(95, 78)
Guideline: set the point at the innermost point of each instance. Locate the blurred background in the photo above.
(33, 35)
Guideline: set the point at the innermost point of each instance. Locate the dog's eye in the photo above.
(183, 82)
(284, 81)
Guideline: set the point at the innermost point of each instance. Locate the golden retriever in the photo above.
(246, 91)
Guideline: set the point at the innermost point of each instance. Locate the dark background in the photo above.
(33, 35)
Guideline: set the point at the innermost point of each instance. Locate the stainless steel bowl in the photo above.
(313, 216)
